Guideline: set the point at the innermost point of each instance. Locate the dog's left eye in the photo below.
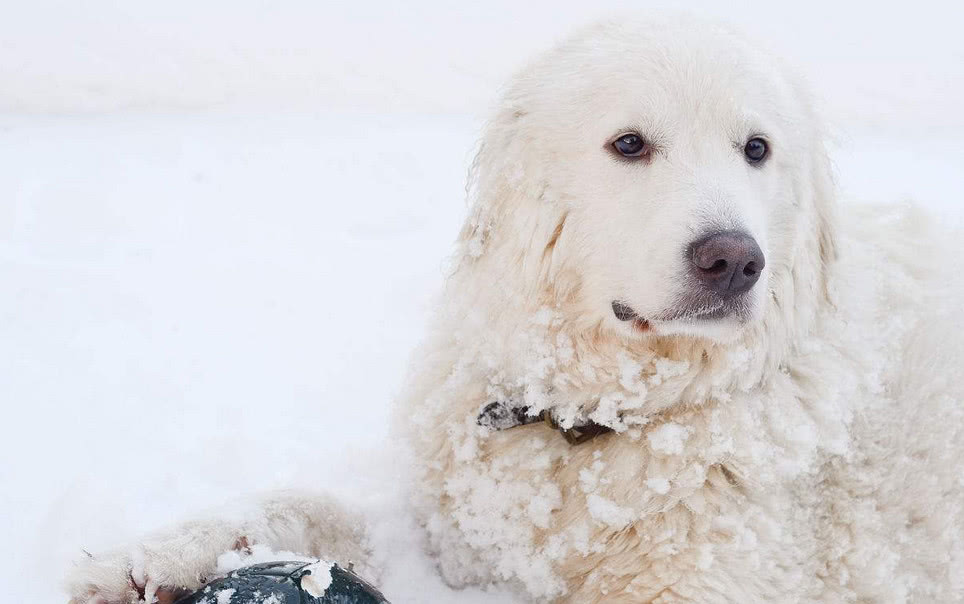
(756, 150)
(630, 145)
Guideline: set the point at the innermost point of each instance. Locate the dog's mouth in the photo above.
(624, 312)
(702, 312)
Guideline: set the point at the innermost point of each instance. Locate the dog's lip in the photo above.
(623, 311)
(626, 313)
(717, 312)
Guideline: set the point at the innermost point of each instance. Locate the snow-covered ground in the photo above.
(221, 227)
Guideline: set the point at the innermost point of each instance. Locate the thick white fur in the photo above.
(810, 453)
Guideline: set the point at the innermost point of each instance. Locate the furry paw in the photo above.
(127, 579)
(102, 580)
(160, 571)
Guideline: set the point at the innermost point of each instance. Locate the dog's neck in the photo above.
(590, 377)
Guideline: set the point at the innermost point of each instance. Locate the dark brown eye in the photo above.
(756, 150)
(630, 145)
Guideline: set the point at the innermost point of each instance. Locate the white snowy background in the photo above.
(222, 223)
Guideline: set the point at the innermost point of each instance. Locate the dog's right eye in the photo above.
(630, 145)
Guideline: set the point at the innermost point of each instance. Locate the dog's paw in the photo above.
(159, 572)
(102, 580)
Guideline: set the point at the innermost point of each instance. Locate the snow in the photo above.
(221, 227)
(256, 554)
(319, 580)
(606, 512)
(659, 485)
(224, 596)
(668, 438)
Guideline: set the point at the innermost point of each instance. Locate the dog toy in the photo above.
(288, 583)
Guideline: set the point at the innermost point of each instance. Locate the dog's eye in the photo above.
(630, 145)
(756, 150)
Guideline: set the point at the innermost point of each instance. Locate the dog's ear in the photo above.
(502, 179)
(515, 220)
(816, 188)
(824, 206)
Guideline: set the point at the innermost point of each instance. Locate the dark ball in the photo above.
(287, 583)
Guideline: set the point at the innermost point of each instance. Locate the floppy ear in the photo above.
(820, 188)
(500, 179)
(824, 207)
(515, 223)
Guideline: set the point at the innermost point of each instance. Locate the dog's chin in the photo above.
(722, 329)
(722, 324)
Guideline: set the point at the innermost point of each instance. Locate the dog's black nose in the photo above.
(729, 263)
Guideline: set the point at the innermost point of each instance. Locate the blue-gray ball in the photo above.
(287, 583)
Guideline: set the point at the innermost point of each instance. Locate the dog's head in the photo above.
(655, 178)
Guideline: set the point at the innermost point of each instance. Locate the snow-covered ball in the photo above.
(317, 582)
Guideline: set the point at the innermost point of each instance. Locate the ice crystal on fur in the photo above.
(668, 438)
(747, 462)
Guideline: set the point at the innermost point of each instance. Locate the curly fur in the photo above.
(811, 454)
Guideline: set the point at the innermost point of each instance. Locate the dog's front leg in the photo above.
(173, 561)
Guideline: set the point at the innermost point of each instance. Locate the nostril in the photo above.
(717, 267)
(750, 269)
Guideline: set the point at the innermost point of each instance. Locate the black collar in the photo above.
(500, 416)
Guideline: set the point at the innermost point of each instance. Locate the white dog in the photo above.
(665, 368)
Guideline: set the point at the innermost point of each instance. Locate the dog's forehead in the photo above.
(666, 76)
